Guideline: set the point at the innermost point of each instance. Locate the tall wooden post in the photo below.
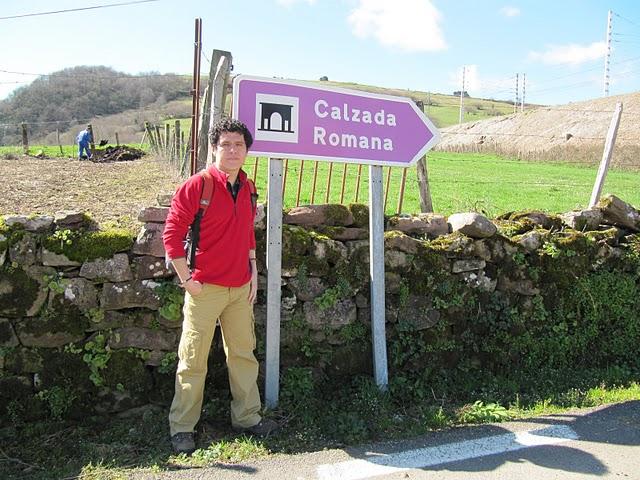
(426, 205)
(606, 155)
(195, 91)
(117, 140)
(25, 139)
(214, 101)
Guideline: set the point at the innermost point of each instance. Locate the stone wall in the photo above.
(95, 316)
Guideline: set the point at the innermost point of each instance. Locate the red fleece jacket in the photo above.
(226, 230)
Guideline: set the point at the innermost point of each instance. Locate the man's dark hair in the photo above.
(229, 125)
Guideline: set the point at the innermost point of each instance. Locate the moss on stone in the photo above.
(329, 231)
(60, 316)
(6, 332)
(127, 370)
(360, 214)
(389, 234)
(90, 245)
(575, 241)
(337, 214)
(295, 240)
(24, 361)
(610, 235)
(18, 291)
(452, 242)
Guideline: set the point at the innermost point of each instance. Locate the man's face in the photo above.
(230, 151)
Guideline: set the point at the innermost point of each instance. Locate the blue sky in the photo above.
(407, 44)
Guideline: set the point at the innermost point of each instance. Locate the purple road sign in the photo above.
(299, 120)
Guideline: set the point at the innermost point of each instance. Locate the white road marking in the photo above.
(382, 464)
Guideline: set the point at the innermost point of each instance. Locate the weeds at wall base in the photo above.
(313, 417)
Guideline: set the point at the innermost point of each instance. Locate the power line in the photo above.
(78, 9)
(626, 19)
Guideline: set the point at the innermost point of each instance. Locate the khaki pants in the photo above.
(236, 320)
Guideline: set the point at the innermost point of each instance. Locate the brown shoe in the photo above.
(261, 429)
(183, 442)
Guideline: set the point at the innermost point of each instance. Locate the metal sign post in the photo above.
(376, 273)
(274, 267)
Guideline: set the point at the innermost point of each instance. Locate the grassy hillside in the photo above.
(442, 109)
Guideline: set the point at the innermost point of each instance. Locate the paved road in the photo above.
(597, 443)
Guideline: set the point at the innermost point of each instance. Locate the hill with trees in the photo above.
(78, 94)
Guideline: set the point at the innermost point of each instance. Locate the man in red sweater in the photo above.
(222, 285)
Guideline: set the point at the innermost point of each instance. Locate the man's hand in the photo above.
(194, 287)
(253, 290)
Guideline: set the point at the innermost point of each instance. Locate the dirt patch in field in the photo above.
(121, 153)
(573, 132)
(112, 193)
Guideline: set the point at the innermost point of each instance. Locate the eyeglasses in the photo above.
(231, 145)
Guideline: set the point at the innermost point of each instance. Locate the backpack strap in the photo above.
(207, 190)
(254, 195)
(208, 186)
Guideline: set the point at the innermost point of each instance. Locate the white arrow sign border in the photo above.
(435, 139)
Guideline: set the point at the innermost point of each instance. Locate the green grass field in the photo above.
(459, 182)
(463, 182)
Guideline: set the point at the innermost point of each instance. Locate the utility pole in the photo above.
(524, 81)
(607, 55)
(462, 97)
(515, 102)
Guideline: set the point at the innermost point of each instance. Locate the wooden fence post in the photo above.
(167, 140)
(92, 140)
(58, 138)
(299, 182)
(159, 139)
(386, 188)
(25, 139)
(152, 142)
(326, 197)
(358, 183)
(315, 178)
(403, 183)
(117, 140)
(426, 205)
(606, 155)
(176, 133)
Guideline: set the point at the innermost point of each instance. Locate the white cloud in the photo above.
(571, 54)
(509, 11)
(410, 25)
(289, 3)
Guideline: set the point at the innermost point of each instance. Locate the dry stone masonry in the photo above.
(462, 294)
